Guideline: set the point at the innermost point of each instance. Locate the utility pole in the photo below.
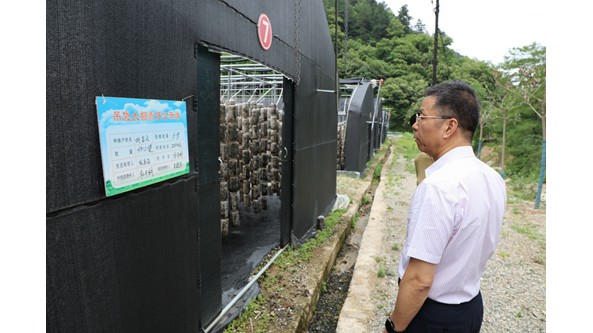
(346, 39)
(336, 35)
(436, 44)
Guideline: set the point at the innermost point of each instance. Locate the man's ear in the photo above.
(451, 126)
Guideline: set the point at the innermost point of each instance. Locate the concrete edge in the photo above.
(357, 307)
(330, 251)
(321, 273)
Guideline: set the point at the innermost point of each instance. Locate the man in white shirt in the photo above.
(454, 220)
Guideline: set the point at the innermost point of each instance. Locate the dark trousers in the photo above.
(435, 317)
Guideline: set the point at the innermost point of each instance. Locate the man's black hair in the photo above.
(458, 100)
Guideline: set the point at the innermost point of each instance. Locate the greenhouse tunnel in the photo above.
(378, 126)
(151, 258)
(362, 123)
(359, 107)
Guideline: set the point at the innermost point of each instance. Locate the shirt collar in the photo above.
(451, 155)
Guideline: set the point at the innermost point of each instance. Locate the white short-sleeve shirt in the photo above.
(454, 221)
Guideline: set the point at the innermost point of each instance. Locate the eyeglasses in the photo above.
(415, 118)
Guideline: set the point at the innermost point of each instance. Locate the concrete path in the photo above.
(373, 288)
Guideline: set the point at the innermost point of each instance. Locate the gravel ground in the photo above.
(514, 283)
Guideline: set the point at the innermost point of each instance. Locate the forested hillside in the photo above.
(375, 43)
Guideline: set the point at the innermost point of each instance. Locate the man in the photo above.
(454, 220)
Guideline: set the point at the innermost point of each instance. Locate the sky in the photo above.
(482, 30)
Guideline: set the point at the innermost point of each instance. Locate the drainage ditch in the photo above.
(335, 291)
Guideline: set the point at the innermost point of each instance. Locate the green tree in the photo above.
(396, 29)
(503, 107)
(403, 16)
(420, 27)
(402, 95)
(369, 20)
(381, 44)
(525, 69)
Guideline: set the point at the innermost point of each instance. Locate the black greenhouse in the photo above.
(251, 136)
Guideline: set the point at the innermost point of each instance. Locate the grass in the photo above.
(382, 272)
(255, 309)
(377, 171)
(354, 220)
(365, 200)
(522, 189)
(529, 231)
(395, 247)
(288, 260)
(304, 253)
(406, 145)
(540, 259)
(504, 254)
(392, 177)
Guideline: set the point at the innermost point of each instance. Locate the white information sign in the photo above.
(142, 141)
